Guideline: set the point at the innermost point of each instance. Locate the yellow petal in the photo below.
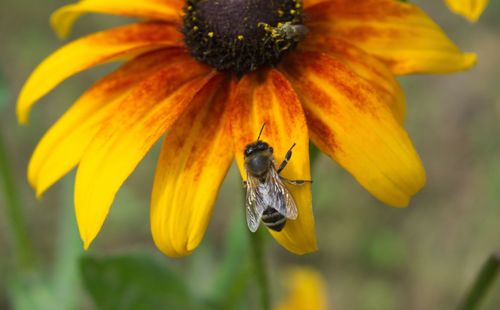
(125, 138)
(400, 34)
(194, 160)
(470, 9)
(115, 44)
(63, 19)
(270, 99)
(365, 66)
(308, 3)
(348, 121)
(63, 145)
(306, 290)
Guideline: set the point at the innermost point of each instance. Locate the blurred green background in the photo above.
(372, 256)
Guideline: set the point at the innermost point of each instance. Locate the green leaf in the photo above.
(134, 282)
(30, 290)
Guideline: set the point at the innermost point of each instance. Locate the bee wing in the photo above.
(255, 203)
(282, 199)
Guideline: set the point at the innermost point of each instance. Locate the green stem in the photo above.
(483, 282)
(258, 247)
(15, 218)
(69, 248)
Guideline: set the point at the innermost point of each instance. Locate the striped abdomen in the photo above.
(273, 219)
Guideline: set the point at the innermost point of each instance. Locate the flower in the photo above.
(210, 77)
(306, 290)
(470, 9)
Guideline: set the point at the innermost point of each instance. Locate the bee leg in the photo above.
(285, 161)
(295, 182)
(244, 184)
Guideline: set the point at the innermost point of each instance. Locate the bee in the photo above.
(292, 32)
(267, 198)
(285, 33)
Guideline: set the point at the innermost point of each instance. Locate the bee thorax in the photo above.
(258, 165)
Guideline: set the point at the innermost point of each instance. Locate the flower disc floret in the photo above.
(240, 36)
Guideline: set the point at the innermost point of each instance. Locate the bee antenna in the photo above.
(260, 132)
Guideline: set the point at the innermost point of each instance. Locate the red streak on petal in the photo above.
(215, 95)
(142, 32)
(283, 89)
(321, 134)
(336, 75)
(368, 10)
(135, 70)
(148, 94)
(241, 105)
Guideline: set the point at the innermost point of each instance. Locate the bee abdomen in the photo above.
(273, 219)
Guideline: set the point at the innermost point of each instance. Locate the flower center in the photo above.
(240, 36)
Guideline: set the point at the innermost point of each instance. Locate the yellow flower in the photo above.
(470, 9)
(210, 78)
(306, 290)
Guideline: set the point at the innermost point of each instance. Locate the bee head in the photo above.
(258, 158)
(257, 147)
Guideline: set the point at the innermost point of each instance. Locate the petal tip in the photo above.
(61, 22)
(312, 249)
(297, 247)
(470, 60)
(471, 18)
(86, 245)
(86, 237)
(32, 180)
(21, 113)
(470, 10)
(167, 247)
(192, 245)
(39, 194)
(40, 188)
(174, 253)
(400, 204)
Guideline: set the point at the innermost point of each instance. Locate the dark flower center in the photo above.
(240, 36)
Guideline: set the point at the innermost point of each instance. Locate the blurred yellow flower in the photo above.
(470, 9)
(306, 289)
(209, 76)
